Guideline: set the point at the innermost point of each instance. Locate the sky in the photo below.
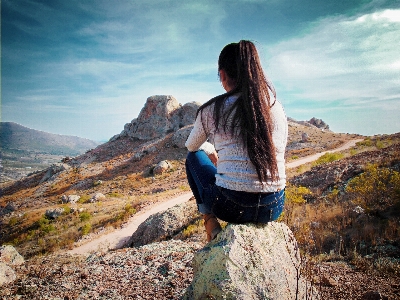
(86, 68)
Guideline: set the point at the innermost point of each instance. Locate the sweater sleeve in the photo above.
(197, 139)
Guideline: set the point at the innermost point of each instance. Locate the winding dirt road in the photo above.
(116, 239)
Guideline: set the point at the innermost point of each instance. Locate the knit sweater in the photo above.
(235, 171)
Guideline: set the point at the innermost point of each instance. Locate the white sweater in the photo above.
(235, 171)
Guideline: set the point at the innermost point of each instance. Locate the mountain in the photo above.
(14, 136)
(343, 210)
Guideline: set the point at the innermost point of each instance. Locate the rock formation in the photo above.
(160, 116)
(250, 262)
(9, 257)
(161, 225)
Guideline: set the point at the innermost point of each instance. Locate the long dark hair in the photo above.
(250, 115)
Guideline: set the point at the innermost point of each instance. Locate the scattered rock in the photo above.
(373, 295)
(54, 213)
(9, 208)
(162, 167)
(304, 137)
(97, 197)
(250, 262)
(70, 198)
(162, 225)
(53, 170)
(328, 281)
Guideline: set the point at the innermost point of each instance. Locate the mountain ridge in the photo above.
(14, 136)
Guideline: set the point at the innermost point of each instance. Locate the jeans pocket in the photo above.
(227, 210)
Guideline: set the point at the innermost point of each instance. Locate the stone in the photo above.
(373, 295)
(162, 167)
(7, 274)
(9, 208)
(250, 262)
(53, 170)
(97, 197)
(162, 225)
(180, 137)
(189, 111)
(70, 199)
(161, 115)
(54, 213)
(304, 137)
(10, 256)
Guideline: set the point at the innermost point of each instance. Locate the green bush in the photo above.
(376, 188)
(327, 158)
(86, 229)
(85, 216)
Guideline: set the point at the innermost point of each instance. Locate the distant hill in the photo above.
(14, 136)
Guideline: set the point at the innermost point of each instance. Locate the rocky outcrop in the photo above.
(162, 225)
(179, 138)
(318, 123)
(250, 262)
(53, 170)
(162, 167)
(72, 199)
(54, 213)
(9, 257)
(160, 115)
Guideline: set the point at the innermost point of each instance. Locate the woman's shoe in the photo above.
(212, 226)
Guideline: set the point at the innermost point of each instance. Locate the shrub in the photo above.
(84, 198)
(85, 216)
(86, 229)
(327, 158)
(376, 188)
(114, 195)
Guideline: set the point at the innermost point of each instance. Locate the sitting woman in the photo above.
(236, 165)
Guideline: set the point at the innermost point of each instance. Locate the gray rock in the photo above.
(162, 114)
(179, 138)
(53, 170)
(70, 199)
(9, 208)
(304, 137)
(97, 197)
(54, 213)
(10, 256)
(162, 167)
(250, 262)
(161, 225)
(7, 274)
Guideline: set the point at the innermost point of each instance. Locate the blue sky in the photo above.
(86, 68)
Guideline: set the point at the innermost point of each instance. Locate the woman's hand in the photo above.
(213, 157)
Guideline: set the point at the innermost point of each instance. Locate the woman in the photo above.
(239, 175)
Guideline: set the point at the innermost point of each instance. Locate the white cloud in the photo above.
(342, 59)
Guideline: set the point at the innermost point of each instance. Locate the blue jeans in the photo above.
(229, 205)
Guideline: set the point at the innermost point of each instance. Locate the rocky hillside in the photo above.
(96, 192)
(24, 150)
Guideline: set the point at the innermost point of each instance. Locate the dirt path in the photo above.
(117, 239)
(313, 157)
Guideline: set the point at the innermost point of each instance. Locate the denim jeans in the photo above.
(229, 205)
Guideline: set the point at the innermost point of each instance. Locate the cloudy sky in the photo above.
(86, 68)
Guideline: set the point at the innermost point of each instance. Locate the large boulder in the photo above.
(165, 224)
(250, 262)
(180, 137)
(161, 115)
(9, 257)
